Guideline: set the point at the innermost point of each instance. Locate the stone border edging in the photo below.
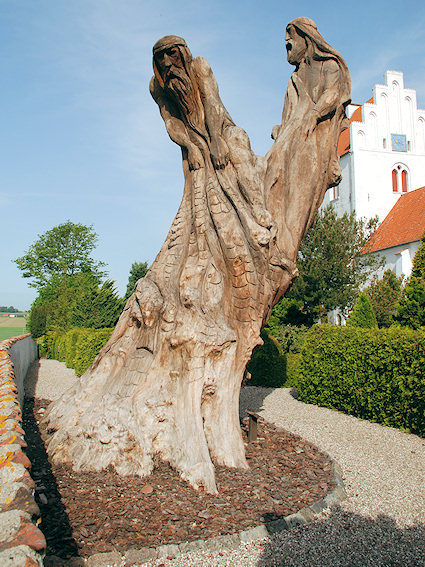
(21, 542)
(226, 542)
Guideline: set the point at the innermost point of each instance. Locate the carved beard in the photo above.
(180, 86)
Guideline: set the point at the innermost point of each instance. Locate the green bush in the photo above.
(378, 375)
(71, 345)
(88, 345)
(268, 364)
(77, 348)
(362, 314)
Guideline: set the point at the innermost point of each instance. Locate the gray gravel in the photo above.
(382, 524)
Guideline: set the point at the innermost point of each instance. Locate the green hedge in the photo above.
(268, 364)
(374, 374)
(77, 348)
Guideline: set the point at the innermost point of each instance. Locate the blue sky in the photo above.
(83, 140)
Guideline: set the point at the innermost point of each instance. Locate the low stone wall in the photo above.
(21, 542)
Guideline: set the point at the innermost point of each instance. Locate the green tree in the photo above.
(384, 294)
(362, 314)
(331, 265)
(10, 309)
(411, 307)
(74, 301)
(97, 307)
(138, 270)
(64, 250)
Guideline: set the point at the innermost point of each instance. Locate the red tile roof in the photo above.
(404, 223)
(344, 139)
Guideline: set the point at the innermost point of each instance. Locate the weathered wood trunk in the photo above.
(168, 380)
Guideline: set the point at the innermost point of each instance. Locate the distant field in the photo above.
(12, 322)
(6, 332)
(12, 327)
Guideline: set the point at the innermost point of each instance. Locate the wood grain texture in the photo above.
(168, 380)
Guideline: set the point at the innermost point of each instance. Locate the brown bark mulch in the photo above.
(90, 512)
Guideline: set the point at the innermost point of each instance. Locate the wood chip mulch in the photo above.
(90, 512)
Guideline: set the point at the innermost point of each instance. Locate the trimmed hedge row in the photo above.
(77, 348)
(374, 374)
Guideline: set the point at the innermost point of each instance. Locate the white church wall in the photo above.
(367, 168)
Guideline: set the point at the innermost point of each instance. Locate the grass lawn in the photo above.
(12, 327)
(6, 332)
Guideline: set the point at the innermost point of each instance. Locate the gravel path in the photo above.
(382, 523)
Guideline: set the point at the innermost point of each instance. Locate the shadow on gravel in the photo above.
(54, 520)
(345, 539)
(251, 398)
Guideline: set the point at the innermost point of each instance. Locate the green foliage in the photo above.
(37, 320)
(78, 347)
(138, 270)
(374, 374)
(331, 266)
(97, 306)
(418, 268)
(10, 309)
(289, 311)
(63, 250)
(268, 364)
(362, 314)
(71, 346)
(74, 301)
(411, 307)
(290, 337)
(384, 294)
(88, 346)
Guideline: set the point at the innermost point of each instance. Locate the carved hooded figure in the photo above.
(167, 382)
(303, 162)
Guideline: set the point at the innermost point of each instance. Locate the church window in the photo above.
(404, 181)
(334, 193)
(395, 181)
(400, 179)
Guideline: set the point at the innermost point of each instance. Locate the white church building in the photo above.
(382, 153)
(382, 156)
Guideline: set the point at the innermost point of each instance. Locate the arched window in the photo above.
(404, 181)
(395, 181)
(400, 178)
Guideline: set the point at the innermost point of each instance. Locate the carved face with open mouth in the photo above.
(296, 45)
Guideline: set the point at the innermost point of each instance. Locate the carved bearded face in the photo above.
(172, 65)
(296, 46)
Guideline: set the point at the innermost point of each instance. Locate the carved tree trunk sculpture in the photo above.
(168, 380)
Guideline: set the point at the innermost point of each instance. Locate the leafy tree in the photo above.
(362, 314)
(64, 250)
(384, 294)
(138, 270)
(411, 307)
(331, 265)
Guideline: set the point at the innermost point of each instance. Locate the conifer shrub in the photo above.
(374, 374)
(268, 364)
(362, 314)
(88, 345)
